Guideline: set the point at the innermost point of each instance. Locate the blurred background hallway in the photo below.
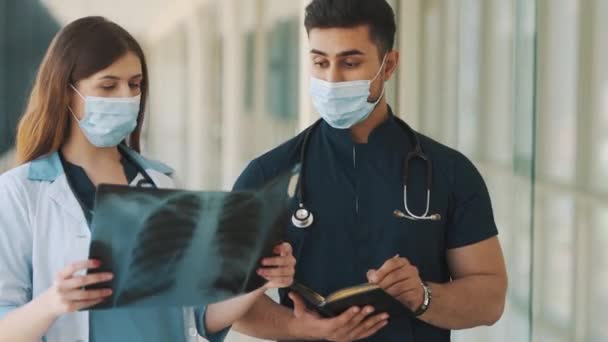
(519, 86)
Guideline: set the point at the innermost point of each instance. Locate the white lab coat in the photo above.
(43, 229)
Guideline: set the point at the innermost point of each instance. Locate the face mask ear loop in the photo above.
(381, 67)
(70, 107)
(383, 83)
(77, 92)
(381, 96)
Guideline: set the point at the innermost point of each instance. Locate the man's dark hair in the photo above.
(378, 14)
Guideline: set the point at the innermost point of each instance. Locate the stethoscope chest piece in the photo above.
(302, 218)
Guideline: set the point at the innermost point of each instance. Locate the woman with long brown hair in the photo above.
(82, 128)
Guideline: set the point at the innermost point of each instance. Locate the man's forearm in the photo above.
(267, 320)
(466, 303)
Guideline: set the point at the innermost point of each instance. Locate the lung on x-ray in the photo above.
(186, 248)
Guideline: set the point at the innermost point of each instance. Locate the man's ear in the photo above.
(391, 64)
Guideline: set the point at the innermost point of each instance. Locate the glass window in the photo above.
(168, 106)
(496, 92)
(283, 69)
(249, 83)
(519, 241)
(478, 96)
(558, 83)
(555, 236)
(469, 78)
(599, 277)
(525, 96)
(276, 77)
(600, 94)
(210, 90)
(431, 69)
(601, 144)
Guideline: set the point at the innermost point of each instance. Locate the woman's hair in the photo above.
(81, 49)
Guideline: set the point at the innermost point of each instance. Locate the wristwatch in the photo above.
(428, 295)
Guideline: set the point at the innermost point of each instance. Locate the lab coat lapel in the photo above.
(61, 193)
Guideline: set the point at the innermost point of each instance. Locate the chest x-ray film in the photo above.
(184, 248)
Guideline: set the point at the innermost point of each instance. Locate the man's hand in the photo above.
(352, 325)
(279, 270)
(401, 280)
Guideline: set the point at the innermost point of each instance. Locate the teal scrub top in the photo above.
(353, 189)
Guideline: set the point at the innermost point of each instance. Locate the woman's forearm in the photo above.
(28, 323)
(222, 315)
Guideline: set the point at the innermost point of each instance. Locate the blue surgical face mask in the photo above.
(108, 120)
(344, 104)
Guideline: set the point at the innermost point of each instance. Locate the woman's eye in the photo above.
(135, 86)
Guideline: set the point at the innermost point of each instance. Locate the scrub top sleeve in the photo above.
(252, 178)
(472, 219)
(199, 314)
(15, 246)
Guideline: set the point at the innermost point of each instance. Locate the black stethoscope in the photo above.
(304, 218)
(146, 181)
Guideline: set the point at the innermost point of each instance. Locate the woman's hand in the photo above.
(67, 293)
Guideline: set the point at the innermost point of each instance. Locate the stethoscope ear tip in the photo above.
(436, 217)
(400, 214)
